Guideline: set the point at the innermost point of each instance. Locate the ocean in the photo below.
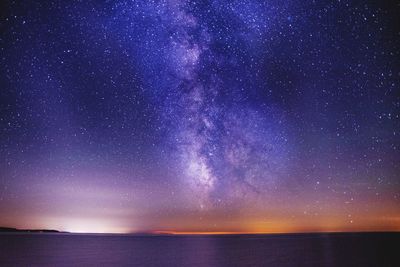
(350, 249)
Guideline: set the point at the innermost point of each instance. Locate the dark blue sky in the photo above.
(264, 116)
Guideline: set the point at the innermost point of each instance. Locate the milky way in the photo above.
(256, 116)
(225, 146)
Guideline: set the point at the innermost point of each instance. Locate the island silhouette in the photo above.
(15, 230)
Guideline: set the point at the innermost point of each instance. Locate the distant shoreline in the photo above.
(15, 230)
(191, 234)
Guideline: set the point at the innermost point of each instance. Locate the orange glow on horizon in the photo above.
(258, 233)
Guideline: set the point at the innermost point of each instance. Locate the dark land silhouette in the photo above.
(15, 230)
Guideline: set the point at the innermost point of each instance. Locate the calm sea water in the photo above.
(377, 249)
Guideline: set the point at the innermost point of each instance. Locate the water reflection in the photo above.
(256, 250)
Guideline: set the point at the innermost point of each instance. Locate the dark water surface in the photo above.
(366, 249)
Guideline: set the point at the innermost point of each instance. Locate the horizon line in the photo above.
(172, 232)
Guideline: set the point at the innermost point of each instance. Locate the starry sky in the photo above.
(200, 116)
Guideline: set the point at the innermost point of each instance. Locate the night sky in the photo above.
(206, 116)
